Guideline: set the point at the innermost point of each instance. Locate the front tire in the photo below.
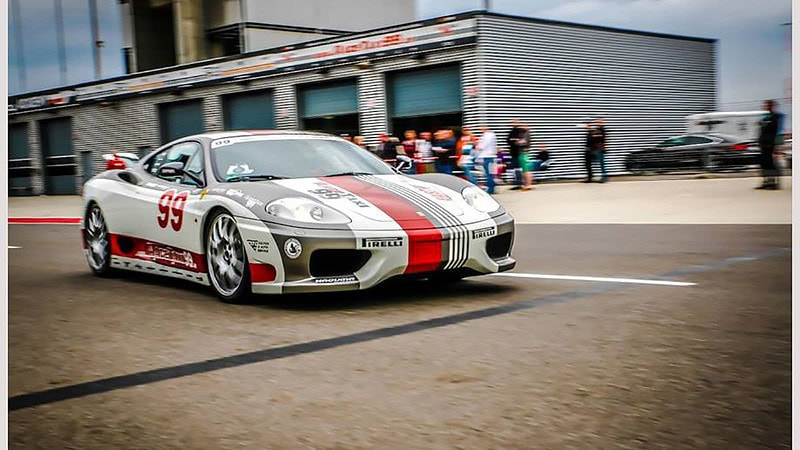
(226, 259)
(98, 247)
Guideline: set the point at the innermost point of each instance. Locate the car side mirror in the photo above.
(403, 164)
(171, 170)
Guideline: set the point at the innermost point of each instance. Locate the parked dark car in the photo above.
(709, 152)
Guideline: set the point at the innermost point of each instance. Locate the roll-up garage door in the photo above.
(180, 119)
(20, 165)
(329, 107)
(249, 111)
(334, 99)
(425, 92)
(59, 160)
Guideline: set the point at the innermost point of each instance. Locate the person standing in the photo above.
(588, 151)
(386, 149)
(444, 147)
(768, 136)
(424, 152)
(359, 141)
(467, 151)
(600, 147)
(487, 153)
(517, 141)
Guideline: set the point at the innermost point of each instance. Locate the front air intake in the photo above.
(499, 246)
(334, 262)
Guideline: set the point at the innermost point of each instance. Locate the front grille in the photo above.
(331, 262)
(499, 246)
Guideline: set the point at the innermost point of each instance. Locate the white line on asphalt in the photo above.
(600, 279)
(13, 246)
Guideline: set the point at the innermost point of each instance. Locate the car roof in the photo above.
(229, 134)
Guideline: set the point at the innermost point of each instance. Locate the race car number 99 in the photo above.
(170, 209)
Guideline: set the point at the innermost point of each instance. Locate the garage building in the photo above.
(468, 69)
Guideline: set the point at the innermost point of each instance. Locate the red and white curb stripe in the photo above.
(45, 220)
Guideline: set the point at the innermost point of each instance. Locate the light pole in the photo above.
(62, 54)
(96, 42)
(15, 15)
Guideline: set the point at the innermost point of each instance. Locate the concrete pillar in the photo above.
(189, 30)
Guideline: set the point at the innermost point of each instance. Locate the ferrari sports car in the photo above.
(272, 212)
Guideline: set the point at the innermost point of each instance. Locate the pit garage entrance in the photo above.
(249, 111)
(425, 99)
(59, 159)
(180, 119)
(20, 165)
(329, 107)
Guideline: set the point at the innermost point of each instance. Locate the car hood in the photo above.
(370, 202)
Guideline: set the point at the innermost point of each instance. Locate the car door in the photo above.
(696, 152)
(165, 213)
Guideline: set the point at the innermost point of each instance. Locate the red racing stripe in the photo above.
(424, 239)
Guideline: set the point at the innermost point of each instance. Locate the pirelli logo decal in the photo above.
(382, 242)
(484, 233)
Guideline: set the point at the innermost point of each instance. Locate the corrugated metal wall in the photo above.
(554, 76)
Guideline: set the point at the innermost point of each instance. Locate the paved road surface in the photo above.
(505, 362)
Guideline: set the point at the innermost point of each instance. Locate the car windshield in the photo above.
(259, 157)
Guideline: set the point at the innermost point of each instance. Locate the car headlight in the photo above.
(481, 201)
(305, 210)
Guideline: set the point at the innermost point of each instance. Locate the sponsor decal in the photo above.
(336, 280)
(259, 246)
(203, 193)
(438, 195)
(172, 256)
(484, 233)
(170, 209)
(292, 248)
(252, 201)
(382, 242)
(390, 40)
(329, 192)
(234, 193)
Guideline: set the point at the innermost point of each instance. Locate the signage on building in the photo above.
(290, 58)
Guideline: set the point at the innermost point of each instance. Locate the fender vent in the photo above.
(333, 262)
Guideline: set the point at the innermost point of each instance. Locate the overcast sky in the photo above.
(754, 55)
(754, 58)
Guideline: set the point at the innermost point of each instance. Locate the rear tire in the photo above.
(226, 260)
(98, 245)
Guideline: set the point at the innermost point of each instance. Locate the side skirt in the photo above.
(139, 265)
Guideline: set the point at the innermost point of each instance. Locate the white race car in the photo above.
(274, 212)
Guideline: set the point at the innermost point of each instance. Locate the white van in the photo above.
(742, 124)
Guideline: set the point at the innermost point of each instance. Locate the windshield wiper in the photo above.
(236, 178)
(345, 174)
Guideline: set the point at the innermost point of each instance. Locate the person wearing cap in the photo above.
(386, 149)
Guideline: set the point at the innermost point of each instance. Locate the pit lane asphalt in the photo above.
(555, 363)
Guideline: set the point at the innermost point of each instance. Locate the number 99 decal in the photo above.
(170, 209)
